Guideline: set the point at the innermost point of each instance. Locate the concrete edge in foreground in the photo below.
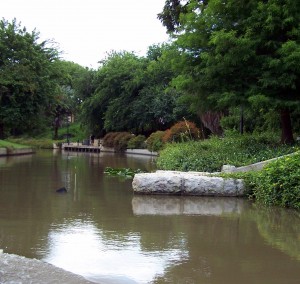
(19, 269)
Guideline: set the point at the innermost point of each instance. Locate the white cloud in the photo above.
(86, 29)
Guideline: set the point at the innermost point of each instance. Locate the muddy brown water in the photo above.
(103, 232)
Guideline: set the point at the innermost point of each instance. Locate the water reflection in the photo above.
(7, 161)
(78, 246)
(183, 205)
(280, 228)
(100, 230)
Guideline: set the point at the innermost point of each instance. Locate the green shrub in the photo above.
(121, 141)
(137, 142)
(278, 183)
(182, 131)
(155, 141)
(109, 138)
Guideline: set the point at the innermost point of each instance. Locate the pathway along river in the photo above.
(101, 231)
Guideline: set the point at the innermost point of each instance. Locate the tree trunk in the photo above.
(1, 131)
(56, 126)
(242, 121)
(286, 127)
(211, 120)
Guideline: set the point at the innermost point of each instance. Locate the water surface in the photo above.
(103, 232)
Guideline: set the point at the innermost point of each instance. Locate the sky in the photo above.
(85, 30)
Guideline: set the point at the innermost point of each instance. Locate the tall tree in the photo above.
(132, 94)
(239, 53)
(27, 78)
(158, 105)
(74, 85)
(117, 83)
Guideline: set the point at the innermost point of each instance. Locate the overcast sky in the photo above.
(86, 29)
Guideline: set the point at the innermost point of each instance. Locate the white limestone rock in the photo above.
(157, 183)
(187, 183)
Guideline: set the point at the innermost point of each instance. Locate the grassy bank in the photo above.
(34, 143)
(12, 145)
(45, 140)
(75, 131)
(209, 155)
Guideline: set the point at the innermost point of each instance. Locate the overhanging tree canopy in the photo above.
(239, 53)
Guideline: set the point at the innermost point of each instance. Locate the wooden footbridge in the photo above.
(97, 148)
(81, 148)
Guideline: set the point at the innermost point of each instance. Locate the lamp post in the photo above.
(68, 124)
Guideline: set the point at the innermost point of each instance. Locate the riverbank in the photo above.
(18, 269)
(10, 149)
(271, 182)
(12, 152)
(197, 183)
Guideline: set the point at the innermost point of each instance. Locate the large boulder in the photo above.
(187, 183)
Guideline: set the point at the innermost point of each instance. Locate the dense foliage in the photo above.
(131, 94)
(279, 183)
(38, 91)
(242, 54)
(27, 79)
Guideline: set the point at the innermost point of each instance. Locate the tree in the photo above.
(27, 79)
(239, 53)
(158, 105)
(74, 85)
(133, 94)
(117, 83)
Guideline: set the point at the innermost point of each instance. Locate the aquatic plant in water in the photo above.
(122, 172)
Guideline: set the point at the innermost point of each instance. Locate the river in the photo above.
(103, 232)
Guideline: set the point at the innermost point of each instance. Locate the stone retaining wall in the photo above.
(254, 167)
(12, 152)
